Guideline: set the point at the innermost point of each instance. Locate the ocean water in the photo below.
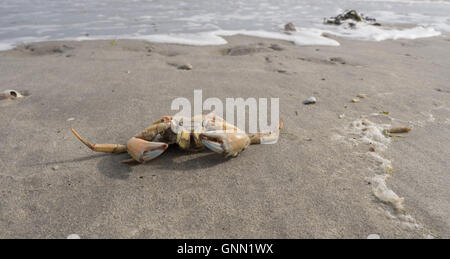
(203, 22)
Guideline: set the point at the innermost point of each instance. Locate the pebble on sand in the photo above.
(310, 100)
(185, 67)
(355, 101)
(362, 96)
(290, 27)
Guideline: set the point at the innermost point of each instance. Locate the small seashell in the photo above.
(55, 168)
(310, 100)
(362, 96)
(73, 236)
(10, 94)
(341, 116)
(185, 67)
(373, 236)
(355, 101)
(70, 119)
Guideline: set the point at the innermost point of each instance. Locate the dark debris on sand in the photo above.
(351, 17)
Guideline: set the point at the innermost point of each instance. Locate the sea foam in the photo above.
(301, 37)
(206, 22)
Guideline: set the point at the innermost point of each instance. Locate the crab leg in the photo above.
(105, 148)
(226, 143)
(158, 127)
(266, 137)
(143, 151)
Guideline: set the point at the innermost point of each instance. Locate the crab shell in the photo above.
(209, 131)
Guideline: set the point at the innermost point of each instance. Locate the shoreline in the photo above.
(302, 37)
(315, 182)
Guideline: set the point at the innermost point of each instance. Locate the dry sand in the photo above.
(316, 182)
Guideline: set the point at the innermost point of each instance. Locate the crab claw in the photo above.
(142, 150)
(223, 142)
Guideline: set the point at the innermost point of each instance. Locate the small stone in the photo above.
(310, 100)
(371, 149)
(290, 27)
(55, 168)
(341, 116)
(362, 96)
(338, 60)
(355, 101)
(70, 119)
(185, 67)
(276, 47)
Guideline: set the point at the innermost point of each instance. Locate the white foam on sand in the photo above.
(301, 37)
(384, 194)
(371, 134)
(363, 31)
(364, 131)
(6, 46)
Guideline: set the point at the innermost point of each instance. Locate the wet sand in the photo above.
(318, 181)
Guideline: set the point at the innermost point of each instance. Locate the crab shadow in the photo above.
(173, 159)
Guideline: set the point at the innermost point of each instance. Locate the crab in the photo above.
(191, 134)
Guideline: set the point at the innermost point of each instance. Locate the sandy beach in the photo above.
(323, 179)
